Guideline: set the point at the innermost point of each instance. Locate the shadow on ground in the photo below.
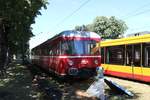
(17, 85)
(66, 90)
(30, 83)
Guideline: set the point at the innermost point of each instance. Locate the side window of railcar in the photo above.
(43, 51)
(67, 47)
(32, 52)
(94, 50)
(64, 47)
(54, 50)
(58, 49)
(38, 51)
(46, 51)
(50, 52)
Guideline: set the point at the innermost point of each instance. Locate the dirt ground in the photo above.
(140, 90)
(20, 85)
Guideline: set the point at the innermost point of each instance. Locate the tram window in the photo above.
(129, 55)
(133, 55)
(102, 55)
(115, 55)
(146, 54)
(137, 55)
(107, 58)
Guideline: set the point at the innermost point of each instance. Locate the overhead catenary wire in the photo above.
(136, 10)
(68, 16)
(76, 10)
(129, 15)
(139, 13)
(147, 26)
(139, 28)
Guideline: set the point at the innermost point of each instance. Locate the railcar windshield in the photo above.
(79, 47)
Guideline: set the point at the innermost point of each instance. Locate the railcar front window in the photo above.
(79, 47)
(84, 46)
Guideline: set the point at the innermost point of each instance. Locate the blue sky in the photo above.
(135, 13)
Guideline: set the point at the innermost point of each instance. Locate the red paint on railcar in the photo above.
(69, 53)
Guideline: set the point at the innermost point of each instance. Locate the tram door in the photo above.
(147, 56)
(129, 59)
(137, 62)
(146, 61)
(133, 59)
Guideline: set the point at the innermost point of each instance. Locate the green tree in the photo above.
(16, 18)
(89, 27)
(109, 28)
(81, 28)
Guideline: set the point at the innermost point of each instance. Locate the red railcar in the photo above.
(69, 53)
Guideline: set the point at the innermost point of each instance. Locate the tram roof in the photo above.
(128, 40)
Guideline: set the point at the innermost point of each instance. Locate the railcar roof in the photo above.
(73, 33)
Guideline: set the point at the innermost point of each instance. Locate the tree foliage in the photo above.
(107, 28)
(81, 28)
(17, 17)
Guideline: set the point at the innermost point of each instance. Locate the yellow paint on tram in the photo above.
(117, 68)
(127, 69)
(123, 41)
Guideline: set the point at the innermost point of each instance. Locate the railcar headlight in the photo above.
(70, 62)
(96, 62)
(84, 61)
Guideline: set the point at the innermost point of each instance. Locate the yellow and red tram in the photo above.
(127, 57)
